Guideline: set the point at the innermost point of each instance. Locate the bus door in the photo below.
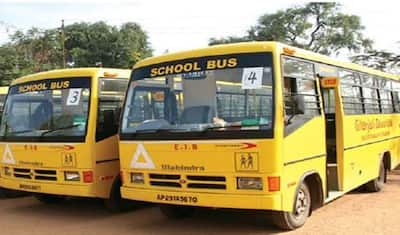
(333, 128)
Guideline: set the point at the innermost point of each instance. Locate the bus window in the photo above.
(350, 85)
(46, 113)
(300, 95)
(329, 100)
(210, 98)
(111, 94)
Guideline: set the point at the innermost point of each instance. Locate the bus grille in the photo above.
(35, 174)
(188, 181)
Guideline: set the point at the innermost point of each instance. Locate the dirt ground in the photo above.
(354, 213)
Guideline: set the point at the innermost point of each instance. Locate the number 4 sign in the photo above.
(74, 96)
(252, 78)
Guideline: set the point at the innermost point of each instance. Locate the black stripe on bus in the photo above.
(108, 160)
(362, 145)
(304, 159)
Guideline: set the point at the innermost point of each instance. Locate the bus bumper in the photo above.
(47, 188)
(236, 201)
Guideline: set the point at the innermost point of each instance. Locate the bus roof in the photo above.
(249, 47)
(75, 72)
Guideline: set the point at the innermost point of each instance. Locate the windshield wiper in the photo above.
(61, 128)
(155, 130)
(161, 130)
(216, 127)
(19, 132)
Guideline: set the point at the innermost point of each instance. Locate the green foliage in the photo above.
(37, 50)
(101, 44)
(229, 39)
(316, 26)
(8, 64)
(382, 60)
(85, 44)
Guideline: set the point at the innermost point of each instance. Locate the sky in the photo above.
(174, 25)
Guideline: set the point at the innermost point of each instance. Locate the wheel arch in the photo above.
(387, 160)
(314, 184)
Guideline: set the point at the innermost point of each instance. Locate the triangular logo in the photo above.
(141, 159)
(8, 157)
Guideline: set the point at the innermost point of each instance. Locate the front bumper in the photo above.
(48, 188)
(204, 199)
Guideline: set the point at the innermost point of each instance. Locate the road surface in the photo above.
(354, 213)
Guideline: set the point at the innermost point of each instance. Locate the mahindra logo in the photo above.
(182, 181)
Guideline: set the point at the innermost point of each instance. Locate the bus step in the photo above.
(333, 184)
(332, 195)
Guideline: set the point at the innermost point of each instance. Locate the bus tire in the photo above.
(377, 184)
(115, 203)
(49, 199)
(176, 212)
(301, 210)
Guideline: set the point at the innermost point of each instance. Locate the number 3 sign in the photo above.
(74, 96)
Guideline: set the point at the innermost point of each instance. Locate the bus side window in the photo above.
(294, 103)
(300, 93)
(111, 96)
(299, 88)
(108, 117)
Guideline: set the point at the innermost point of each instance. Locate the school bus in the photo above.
(3, 94)
(258, 126)
(59, 134)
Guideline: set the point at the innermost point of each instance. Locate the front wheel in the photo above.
(301, 210)
(115, 203)
(377, 184)
(176, 212)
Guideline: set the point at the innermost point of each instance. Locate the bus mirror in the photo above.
(329, 82)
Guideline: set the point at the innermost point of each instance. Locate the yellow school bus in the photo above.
(3, 94)
(258, 126)
(59, 134)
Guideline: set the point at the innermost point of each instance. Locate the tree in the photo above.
(100, 44)
(86, 44)
(30, 52)
(382, 60)
(38, 50)
(8, 64)
(316, 26)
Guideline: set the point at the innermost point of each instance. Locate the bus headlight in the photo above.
(72, 176)
(137, 178)
(249, 183)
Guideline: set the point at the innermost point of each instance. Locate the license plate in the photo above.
(177, 198)
(29, 187)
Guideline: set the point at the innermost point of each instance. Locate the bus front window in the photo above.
(45, 113)
(212, 101)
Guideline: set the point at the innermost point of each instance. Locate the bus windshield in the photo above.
(219, 100)
(47, 109)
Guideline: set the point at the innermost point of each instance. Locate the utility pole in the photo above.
(63, 41)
